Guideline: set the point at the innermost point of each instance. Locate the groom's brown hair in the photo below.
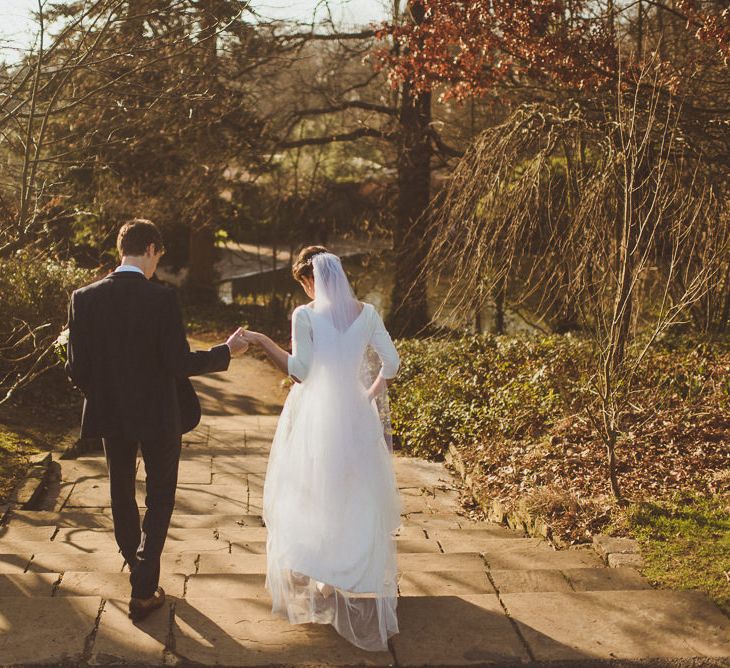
(136, 235)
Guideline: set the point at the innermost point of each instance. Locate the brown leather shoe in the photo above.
(139, 608)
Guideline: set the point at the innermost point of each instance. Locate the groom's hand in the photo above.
(237, 342)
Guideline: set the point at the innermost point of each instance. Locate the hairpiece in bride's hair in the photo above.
(302, 266)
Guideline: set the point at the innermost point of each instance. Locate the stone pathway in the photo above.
(471, 593)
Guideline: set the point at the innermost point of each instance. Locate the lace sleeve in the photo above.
(381, 359)
(382, 343)
(300, 359)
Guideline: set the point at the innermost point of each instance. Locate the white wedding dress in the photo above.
(331, 501)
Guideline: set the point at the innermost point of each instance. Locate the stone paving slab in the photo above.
(605, 579)
(56, 496)
(414, 472)
(620, 624)
(415, 500)
(113, 585)
(181, 562)
(95, 494)
(230, 563)
(248, 547)
(238, 465)
(417, 545)
(211, 499)
(235, 479)
(195, 471)
(27, 584)
(530, 553)
(101, 562)
(197, 437)
(243, 534)
(19, 534)
(233, 440)
(184, 534)
(121, 641)
(455, 630)
(67, 518)
(221, 522)
(536, 580)
(481, 541)
(199, 545)
(227, 585)
(14, 563)
(243, 632)
(444, 583)
(51, 547)
(440, 562)
(79, 470)
(255, 506)
(46, 630)
(432, 521)
(447, 536)
(255, 483)
(411, 533)
(102, 538)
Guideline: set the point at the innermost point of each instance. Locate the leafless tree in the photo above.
(612, 220)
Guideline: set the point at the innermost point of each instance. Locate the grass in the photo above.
(685, 542)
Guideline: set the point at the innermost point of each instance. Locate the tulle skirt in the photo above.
(331, 506)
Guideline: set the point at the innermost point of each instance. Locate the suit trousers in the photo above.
(142, 547)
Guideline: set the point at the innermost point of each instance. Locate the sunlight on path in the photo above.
(471, 593)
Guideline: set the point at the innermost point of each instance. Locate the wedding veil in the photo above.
(333, 296)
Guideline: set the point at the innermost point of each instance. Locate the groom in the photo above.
(128, 354)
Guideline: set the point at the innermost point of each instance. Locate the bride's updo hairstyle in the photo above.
(302, 268)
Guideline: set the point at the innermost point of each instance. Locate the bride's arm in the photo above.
(274, 352)
(388, 354)
(297, 364)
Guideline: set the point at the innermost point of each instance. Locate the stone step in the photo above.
(438, 521)
(523, 554)
(103, 520)
(246, 579)
(474, 534)
(66, 518)
(568, 579)
(93, 562)
(638, 624)
(46, 630)
(578, 627)
(70, 539)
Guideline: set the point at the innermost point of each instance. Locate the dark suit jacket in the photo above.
(128, 354)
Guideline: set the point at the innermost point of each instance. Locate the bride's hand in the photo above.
(377, 387)
(253, 338)
(236, 342)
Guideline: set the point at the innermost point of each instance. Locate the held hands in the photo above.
(237, 342)
(253, 338)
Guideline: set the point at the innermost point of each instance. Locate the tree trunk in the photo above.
(201, 259)
(409, 308)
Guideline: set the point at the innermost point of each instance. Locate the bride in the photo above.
(331, 502)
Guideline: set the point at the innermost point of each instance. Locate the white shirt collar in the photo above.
(128, 267)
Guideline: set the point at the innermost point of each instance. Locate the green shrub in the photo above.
(462, 391)
(34, 293)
